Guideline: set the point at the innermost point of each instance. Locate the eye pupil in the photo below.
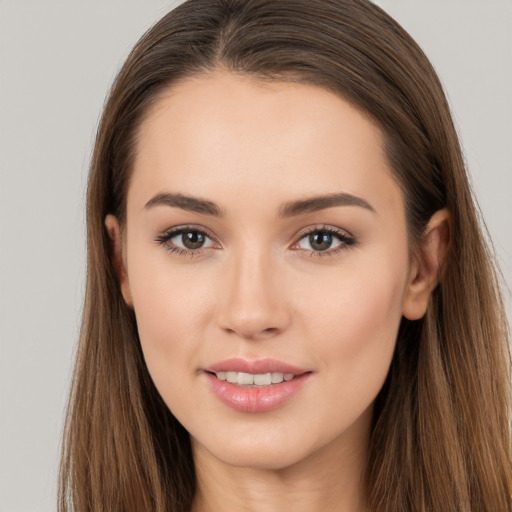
(192, 239)
(320, 240)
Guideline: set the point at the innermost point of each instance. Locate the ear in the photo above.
(114, 232)
(427, 267)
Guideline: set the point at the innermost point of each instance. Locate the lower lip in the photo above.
(256, 399)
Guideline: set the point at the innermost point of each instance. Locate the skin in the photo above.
(258, 288)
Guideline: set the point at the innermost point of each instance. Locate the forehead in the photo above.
(225, 130)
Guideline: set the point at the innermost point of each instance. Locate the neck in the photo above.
(331, 478)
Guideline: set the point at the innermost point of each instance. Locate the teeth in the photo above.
(245, 378)
(249, 379)
(277, 377)
(231, 376)
(263, 380)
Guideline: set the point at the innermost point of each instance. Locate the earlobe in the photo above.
(114, 233)
(427, 267)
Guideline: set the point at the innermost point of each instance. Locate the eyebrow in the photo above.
(317, 203)
(290, 209)
(191, 204)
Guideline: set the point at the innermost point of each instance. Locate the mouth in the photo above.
(254, 380)
(255, 386)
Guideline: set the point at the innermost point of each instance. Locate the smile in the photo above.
(255, 386)
(250, 379)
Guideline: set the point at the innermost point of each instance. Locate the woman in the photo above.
(289, 299)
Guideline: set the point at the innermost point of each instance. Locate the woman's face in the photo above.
(265, 236)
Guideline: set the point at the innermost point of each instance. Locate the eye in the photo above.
(324, 240)
(186, 240)
(190, 239)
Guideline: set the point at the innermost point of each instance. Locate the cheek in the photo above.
(354, 322)
(170, 303)
(366, 334)
(351, 327)
(365, 294)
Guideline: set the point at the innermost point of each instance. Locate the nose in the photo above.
(252, 301)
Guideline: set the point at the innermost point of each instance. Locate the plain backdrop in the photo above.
(57, 60)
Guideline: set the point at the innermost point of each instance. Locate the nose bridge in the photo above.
(252, 303)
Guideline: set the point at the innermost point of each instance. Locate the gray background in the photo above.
(57, 60)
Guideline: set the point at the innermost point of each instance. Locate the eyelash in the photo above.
(165, 237)
(347, 241)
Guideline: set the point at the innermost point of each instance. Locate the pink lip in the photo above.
(256, 367)
(255, 399)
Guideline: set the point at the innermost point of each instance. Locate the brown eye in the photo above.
(192, 239)
(320, 241)
(324, 240)
(185, 240)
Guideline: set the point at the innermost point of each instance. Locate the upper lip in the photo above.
(258, 366)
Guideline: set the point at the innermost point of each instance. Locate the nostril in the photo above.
(262, 334)
(266, 333)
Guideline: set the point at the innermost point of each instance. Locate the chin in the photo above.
(258, 456)
(272, 446)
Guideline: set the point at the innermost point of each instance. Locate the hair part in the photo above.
(441, 433)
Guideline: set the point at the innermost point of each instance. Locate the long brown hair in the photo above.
(441, 432)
